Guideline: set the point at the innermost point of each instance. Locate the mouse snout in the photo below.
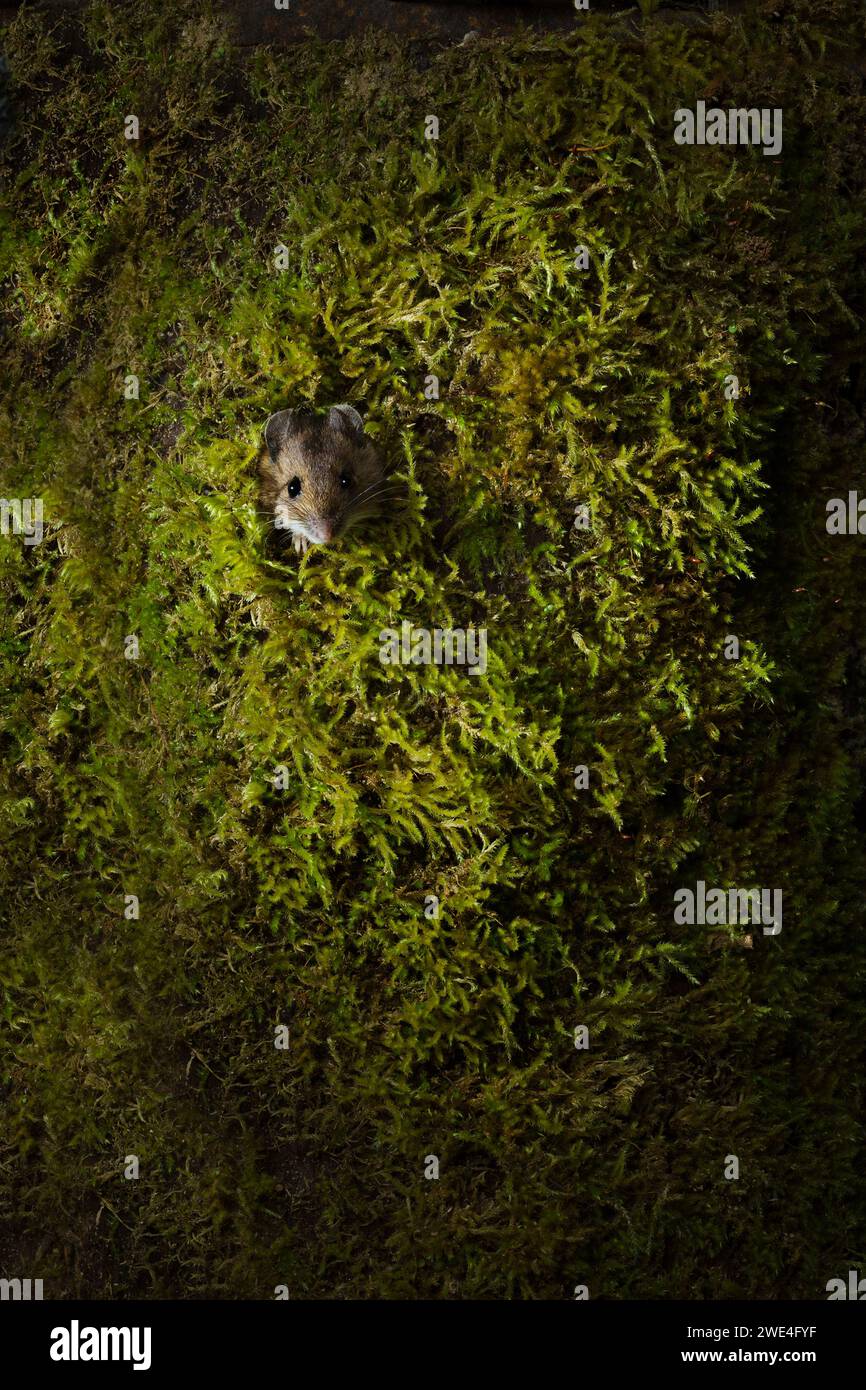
(327, 528)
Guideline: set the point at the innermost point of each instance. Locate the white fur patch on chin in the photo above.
(283, 522)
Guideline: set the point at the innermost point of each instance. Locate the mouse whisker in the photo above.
(370, 506)
(366, 491)
(362, 514)
(379, 482)
(383, 489)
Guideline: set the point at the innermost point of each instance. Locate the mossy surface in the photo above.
(153, 777)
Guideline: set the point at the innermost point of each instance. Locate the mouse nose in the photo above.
(326, 529)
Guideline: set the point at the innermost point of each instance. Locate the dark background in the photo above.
(257, 21)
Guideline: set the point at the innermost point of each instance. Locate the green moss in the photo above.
(559, 388)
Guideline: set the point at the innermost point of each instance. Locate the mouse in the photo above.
(320, 474)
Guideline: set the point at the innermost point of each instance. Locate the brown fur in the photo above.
(319, 451)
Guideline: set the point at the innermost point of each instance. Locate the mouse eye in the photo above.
(294, 487)
(345, 480)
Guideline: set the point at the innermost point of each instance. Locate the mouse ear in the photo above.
(341, 416)
(278, 428)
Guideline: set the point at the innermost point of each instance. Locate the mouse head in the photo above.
(321, 473)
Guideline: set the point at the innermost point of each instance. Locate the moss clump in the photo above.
(560, 388)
